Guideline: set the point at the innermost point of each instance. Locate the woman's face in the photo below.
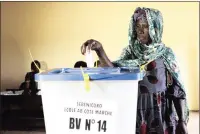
(142, 30)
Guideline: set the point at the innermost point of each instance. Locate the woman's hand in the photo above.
(181, 128)
(91, 45)
(97, 46)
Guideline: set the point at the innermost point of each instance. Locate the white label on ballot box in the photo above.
(89, 116)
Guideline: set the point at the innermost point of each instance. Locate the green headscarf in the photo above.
(136, 54)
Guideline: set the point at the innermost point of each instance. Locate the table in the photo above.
(20, 112)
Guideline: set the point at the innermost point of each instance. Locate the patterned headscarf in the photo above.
(139, 14)
(137, 54)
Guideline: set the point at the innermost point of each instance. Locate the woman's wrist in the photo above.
(104, 61)
(182, 121)
(100, 52)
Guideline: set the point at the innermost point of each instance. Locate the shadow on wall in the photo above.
(12, 59)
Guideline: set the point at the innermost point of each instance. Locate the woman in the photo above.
(162, 107)
(30, 84)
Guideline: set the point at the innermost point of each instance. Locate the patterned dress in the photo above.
(154, 114)
(155, 111)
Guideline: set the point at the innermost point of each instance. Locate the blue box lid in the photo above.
(95, 74)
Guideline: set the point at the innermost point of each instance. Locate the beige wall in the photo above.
(54, 31)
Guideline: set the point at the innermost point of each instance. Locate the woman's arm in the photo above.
(180, 108)
(178, 97)
(103, 58)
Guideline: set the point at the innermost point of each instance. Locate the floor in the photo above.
(193, 126)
